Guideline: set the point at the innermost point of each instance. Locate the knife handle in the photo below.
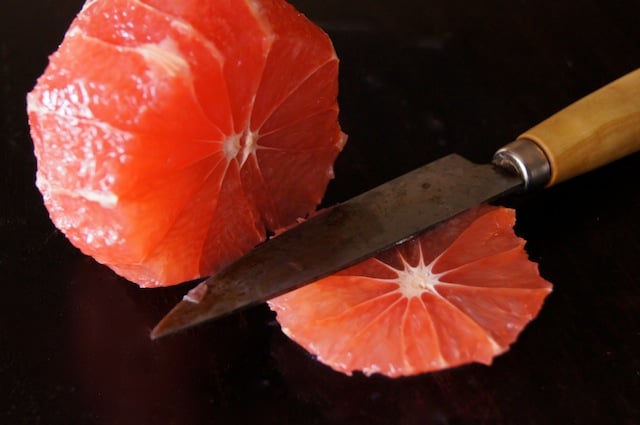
(596, 130)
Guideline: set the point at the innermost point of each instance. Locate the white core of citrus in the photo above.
(240, 146)
(231, 147)
(416, 280)
(249, 146)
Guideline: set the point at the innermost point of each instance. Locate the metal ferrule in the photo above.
(525, 158)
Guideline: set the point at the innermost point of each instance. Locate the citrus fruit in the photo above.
(172, 136)
(460, 293)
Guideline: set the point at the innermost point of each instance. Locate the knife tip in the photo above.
(156, 334)
(184, 315)
(161, 330)
(169, 324)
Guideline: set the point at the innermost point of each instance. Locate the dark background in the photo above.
(419, 79)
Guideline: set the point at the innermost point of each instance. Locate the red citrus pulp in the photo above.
(172, 136)
(460, 293)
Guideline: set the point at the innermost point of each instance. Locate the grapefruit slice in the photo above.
(460, 293)
(173, 136)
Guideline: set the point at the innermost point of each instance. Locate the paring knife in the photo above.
(598, 129)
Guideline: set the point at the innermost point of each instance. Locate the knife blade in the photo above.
(597, 129)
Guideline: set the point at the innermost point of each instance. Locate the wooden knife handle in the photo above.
(594, 131)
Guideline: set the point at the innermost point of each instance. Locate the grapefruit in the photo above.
(172, 136)
(457, 294)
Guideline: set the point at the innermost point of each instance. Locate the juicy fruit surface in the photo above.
(172, 136)
(460, 293)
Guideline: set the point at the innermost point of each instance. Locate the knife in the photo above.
(595, 130)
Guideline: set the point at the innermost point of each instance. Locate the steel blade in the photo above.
(342, 236)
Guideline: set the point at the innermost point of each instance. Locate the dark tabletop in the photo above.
(419, 79)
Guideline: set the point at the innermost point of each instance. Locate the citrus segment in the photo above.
(321, 86)
(172, 46)
(460, 293)
(172, 137)
(242, 33)
(302, 44)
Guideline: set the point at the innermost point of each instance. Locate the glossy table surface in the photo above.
(419, 79)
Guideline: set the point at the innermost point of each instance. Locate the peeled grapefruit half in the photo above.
(460, 293)
(172, 136)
